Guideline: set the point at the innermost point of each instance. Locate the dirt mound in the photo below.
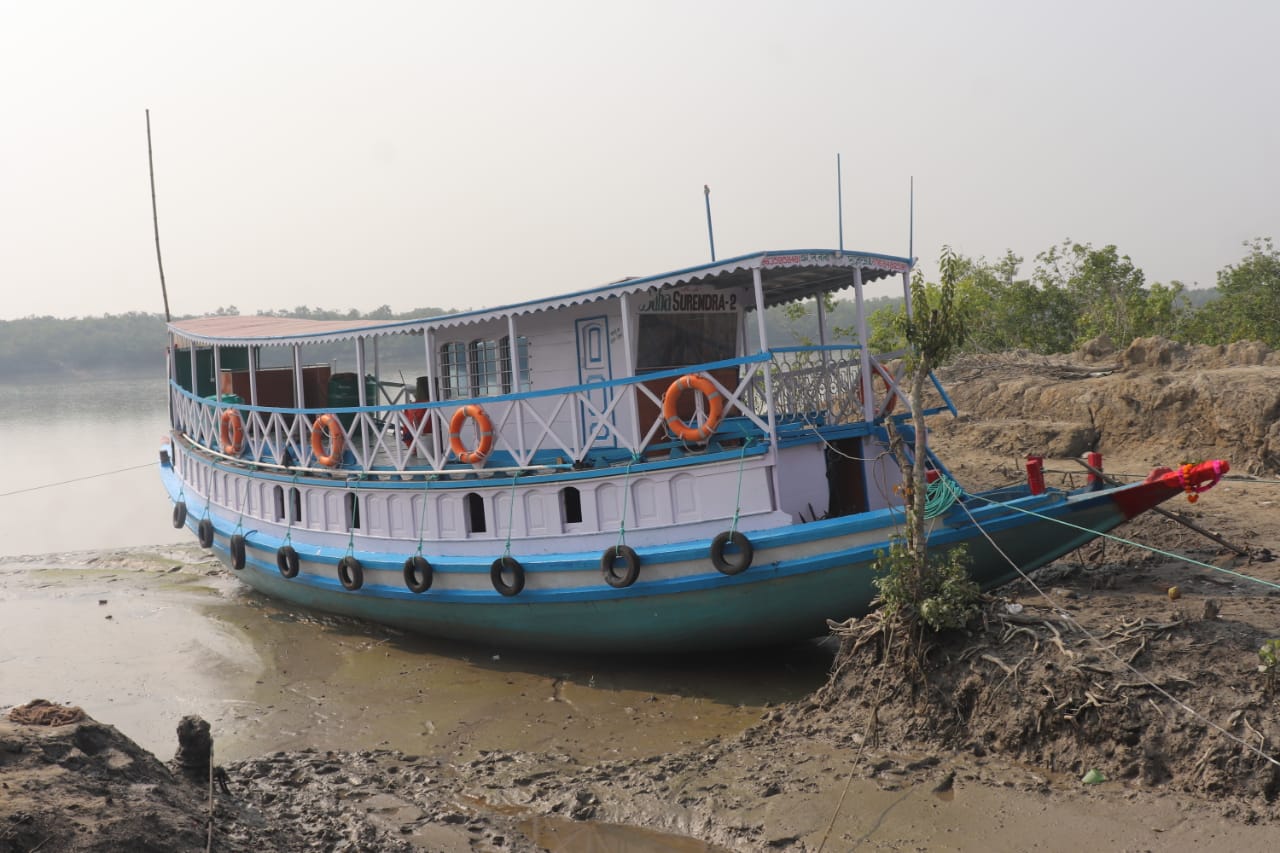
(1158, 400)
(83, 787)
(86, 787)
(42, 712)
(1037, 689)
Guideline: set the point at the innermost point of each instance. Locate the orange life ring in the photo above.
(231, 432)
(891, 396)
(483, 425)
(715, 408)
(327, 425)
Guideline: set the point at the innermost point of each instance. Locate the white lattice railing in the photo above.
(530, 430)
(824, 383)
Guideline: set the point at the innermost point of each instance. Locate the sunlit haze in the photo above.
(471, 154)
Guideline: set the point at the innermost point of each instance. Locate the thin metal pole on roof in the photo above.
(840, 201)
(711, 235)
(155, 220)
(911, 222)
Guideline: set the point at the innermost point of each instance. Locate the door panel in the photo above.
(595, 365)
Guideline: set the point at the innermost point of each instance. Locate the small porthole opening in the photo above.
(353, 511)
(571, 505)
(475, 514)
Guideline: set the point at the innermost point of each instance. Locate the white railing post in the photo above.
(366, 423)
(758, 283)
(299, 402)
(513, 370)
(864, 359)
(628, 364)
(437, 424)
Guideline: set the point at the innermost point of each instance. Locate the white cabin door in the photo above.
(595, 366)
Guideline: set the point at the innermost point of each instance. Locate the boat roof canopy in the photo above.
(786, 277)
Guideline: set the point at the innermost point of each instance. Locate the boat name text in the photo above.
(674, 301)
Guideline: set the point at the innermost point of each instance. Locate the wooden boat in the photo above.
(631, 468)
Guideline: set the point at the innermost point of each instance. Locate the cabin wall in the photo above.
(658, 506)
(803, 490)
(883, 475)
(556, 350)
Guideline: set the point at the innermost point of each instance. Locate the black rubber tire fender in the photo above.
(204, 532)
(179, 515)
(630, 566)
(726, 563)
(350, 573)
(237, 548)
(287, 561)
(417, 574)
(507, 564)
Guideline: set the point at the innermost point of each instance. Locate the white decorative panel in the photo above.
(684, 503)
(609, 506)
(644, 504)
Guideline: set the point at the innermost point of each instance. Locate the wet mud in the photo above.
(153, 634)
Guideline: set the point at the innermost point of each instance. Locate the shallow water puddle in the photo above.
(560, 835)
(128, 647)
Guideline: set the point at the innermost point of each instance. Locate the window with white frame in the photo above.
(486, 379)
(454, 379)
(484, 368)
(523, 378)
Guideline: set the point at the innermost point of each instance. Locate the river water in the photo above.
(80, 464)
(146, 627)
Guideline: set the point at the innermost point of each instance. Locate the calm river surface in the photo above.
(81, 459)
(148, 627)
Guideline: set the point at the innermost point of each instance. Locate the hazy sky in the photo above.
(470, 154)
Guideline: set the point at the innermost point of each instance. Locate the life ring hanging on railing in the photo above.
(484, 426)
(890, 385)
(327, 425)
(715, 408)
(231, 432)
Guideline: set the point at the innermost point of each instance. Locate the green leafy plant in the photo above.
(943, 595)
(1269, 654)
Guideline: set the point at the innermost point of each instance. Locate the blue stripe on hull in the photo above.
(776, 600)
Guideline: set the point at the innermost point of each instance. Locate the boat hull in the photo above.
(801, 575)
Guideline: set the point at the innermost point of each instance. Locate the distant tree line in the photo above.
(1074, 293)
(126, 344)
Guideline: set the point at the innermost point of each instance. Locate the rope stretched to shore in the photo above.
(1178, 703)
(1171, 555)
(77, 479)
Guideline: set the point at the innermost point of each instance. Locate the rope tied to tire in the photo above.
(719, 558)
(180, 507)
(620, 550)
(236, 544)
(417, 570)
(286, 554)
(350, 572)
(511, 514)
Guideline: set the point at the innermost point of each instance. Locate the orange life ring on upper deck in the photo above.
(231, 432)
(715, 408)
(880, 406)
(327, 425)
(483, 425)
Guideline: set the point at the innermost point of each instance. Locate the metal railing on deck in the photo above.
(597, 422)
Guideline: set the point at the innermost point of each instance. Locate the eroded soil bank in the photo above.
(1097, 670)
